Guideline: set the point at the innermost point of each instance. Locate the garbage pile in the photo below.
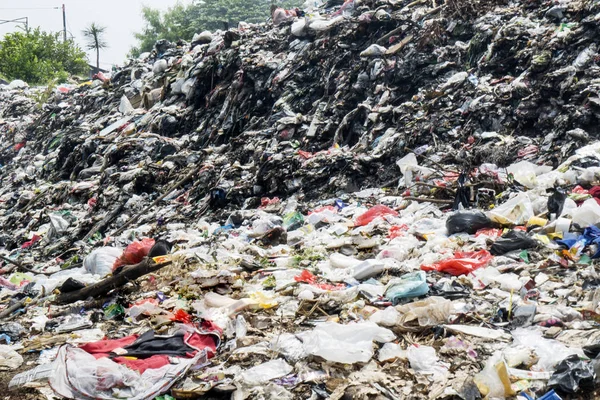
(360, 199)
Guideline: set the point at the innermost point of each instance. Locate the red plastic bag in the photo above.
(134, 253)
(182, 316)
(30, 243)
(491, 232)
(579, 190)
(307, 277)
(397, 231)
(462, 263)
(324, 208)
(376, 211)
(265, 201)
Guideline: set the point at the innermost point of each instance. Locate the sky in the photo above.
(120, 17)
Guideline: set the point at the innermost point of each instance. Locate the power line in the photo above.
(30, 8)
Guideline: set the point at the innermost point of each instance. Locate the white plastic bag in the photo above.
(493, 380)
(516, 211)
(388, 317)
(345, 343)
(101, 261)
(9, 359)
(391, 351)
(422, 358)
(263, 373)
(588, 214)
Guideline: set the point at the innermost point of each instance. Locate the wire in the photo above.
(31, 8)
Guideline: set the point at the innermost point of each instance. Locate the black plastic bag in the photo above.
(572, 374)
(592, 350)
(556, 202)
(462, 194)
(71, 285)
(513, 240)
(467, 221)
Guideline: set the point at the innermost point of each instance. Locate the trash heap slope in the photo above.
(229, 192)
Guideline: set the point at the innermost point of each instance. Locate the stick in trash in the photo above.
(129, 273)
(105, 221)
(20, 266)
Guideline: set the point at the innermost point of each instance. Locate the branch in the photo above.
(127, 274)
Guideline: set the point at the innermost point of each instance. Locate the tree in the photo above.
(38, 57)
(183, 21)
(173, 24)
(94, 35)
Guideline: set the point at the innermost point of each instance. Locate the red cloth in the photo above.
(207, 341)
(142, 365)
(595, 192)
(104, 347)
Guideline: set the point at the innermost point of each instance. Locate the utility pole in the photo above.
(64, 23)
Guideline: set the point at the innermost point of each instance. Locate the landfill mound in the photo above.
(375, 199)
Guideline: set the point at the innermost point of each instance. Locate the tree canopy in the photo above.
(183, 21)
(37, 57)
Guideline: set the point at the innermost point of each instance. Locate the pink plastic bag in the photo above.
(376, 211)
(462, 263)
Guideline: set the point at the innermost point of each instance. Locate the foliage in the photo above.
(183, 21)
(37, 57)
(94, 34)
(42, 96)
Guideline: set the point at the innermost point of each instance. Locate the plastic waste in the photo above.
(524, 172)
(494, 381)
(293, 220)
(101, 261)
(323, 25)
(573, 374)
(462, 262)
(421, 358)
(203, 37)
(462, 198)
(9, 359)
(346, 344)
(368, 269)
(587, 214)
(265, 372)
(523, 314)
(134, 253)
(551, 395)
(289, 346)
(281, 16)
(512, 240)
(478, 331)
(387, 317)
(516, 211)
(407, 286)
(424, 360)
(373, 50)
(556, 202)
(298, 27)
(160, 66)
(374, 212)
(391, 351)
(467, 221)
(408, 165)
(549, 351)
(125, 106)
(59, 224)
(425, 313)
